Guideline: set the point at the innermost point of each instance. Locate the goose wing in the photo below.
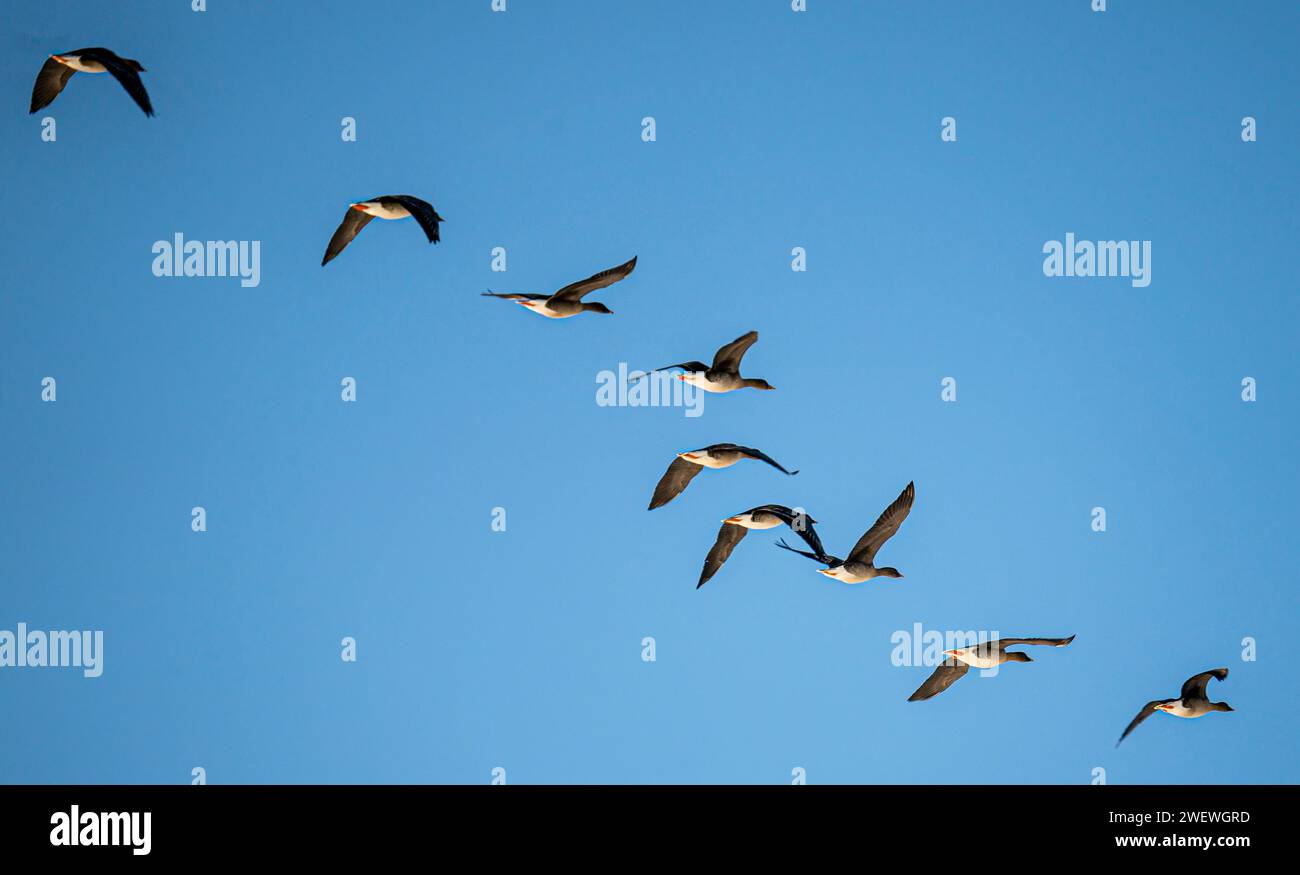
(728, 357)
(347, 230)
(125, 72)
(728, 537)
(944, 676)
(513, 296)
(423, 212)
(823, 558)
(1050, 642)
(1147, 710)
(52, 79)
(693, 367)
(800, 523)
(575, 291)
(675, 479)
(885, 527)
(1194, 686)
(763, 457)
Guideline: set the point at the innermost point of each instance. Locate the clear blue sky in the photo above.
(522, 649)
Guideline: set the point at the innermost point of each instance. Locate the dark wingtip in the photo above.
(792, 473)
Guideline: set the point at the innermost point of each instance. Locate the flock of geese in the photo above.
(723, 375)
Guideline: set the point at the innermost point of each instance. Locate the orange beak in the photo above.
(682, 377)
(527, 303)
(734, 520)
(358, 208)
(950, 653)
(825, 571)
(687, 456)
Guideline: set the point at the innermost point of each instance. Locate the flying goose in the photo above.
(724, 374)
(860, 567)
(390, 206)
(1191, 702)
(58, 69)
(684, 468)
(765, 516)
(568, 300)
(986, 655)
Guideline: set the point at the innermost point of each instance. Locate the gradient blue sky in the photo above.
(522, 649)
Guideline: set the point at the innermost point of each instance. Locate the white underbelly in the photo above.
(542, 310)
(85, 66)
(979, 660)
(699, 380)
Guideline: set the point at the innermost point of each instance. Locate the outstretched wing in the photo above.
(1050, 642)
(693, 367)
(675, 479)
(800, 523)
(728, 537)
(948, 673)
(823, 558)
(763, 457)
(423, 212)
(513, 296)
(49, 83)
(1147, 710)
(348, 229)
(124, 73)
(885, 527)
(1194, 686)
(575, 291)
(728, 358)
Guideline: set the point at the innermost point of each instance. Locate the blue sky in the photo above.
(522, 649)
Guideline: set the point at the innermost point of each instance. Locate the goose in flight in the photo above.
(1191, 702)
(568, 300)
(390, 206)
(860, 566)
(766, 516)
(724, 374)
(58, 69)
(684, 468)
(986, 655)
